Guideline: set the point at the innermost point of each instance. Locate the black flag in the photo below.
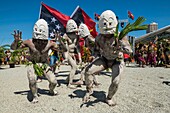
(80, 16)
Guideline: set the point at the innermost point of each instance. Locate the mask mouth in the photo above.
(38, 35)
(74, 30)
(110, 30)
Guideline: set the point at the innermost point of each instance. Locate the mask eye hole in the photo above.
(35, 29)
(110, 23)
(104, 23)
(40, 30)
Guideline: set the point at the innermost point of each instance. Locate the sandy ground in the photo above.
(141, 91)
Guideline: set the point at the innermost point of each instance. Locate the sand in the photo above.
(141, 91)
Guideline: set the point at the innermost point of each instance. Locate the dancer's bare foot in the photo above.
(39, 80)
(110, 102)
(80, 82)
(71, 86)
(53, 93)
(35, 100)
(97, 83)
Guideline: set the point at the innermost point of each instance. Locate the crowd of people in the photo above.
(155, 53)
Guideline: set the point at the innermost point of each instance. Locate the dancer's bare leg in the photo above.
(96, 66)
(32, 83)
(52, 81)
(116, 75)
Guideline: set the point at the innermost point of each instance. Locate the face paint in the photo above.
(107, 22)
(40, 30)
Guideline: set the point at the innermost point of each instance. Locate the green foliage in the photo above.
(2, 50)
(86, 54)
(15, 55)
(38, 70)
(19, 43)
(63, 39)
(92, 44)
(116, 34)
(131, 27)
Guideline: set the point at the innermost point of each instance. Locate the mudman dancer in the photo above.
(89, 41)
(70, 39)
(38, 46)
(111, 56)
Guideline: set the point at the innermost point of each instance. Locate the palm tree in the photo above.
(3, 48)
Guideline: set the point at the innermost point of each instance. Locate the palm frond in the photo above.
(5, 47)
(133, 27)
(117, 31)
(2, 50)
(139, 21)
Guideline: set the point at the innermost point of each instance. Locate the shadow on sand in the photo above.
(166, 82)
(2, 67)
(29, 93)
(99, 95)
(62, 73)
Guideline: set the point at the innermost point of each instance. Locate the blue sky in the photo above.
(22, 14)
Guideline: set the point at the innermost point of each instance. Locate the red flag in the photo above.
(130, 15)
(81, 17)
(55, 19)
(96, 16)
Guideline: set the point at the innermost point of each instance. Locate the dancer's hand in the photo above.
(58, 35)
(17, 35)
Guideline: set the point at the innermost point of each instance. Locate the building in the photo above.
(150, 36)
(152, 27)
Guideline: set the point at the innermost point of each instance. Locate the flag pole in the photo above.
(74, 11)
(40, 9)
(97, 25)
(127, 17)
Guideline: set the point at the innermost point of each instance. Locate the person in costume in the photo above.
(151, 54)
(38, 46)
(70, 39)
(87, 50)
(110, 55)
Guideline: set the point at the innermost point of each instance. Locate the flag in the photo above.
(130, 15)
(55, 19)
(96, 16)
(79, 16)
